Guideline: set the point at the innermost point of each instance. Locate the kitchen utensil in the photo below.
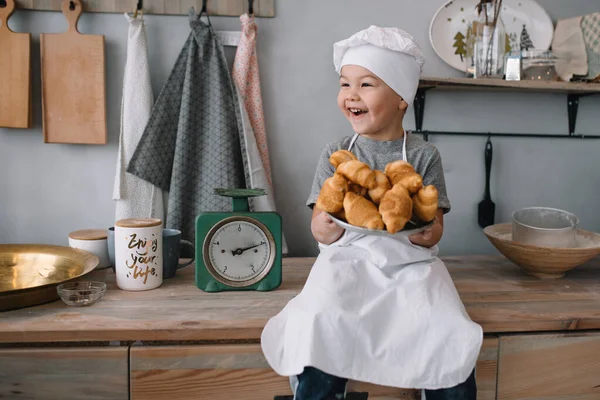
(15, 73)
(487, 208)
(81, 293)
(29, 273)
(450, 25)
(73, 86)
(94, 241)
(238, 250)
(410, 229)
(545, 227)
(544, 262)
(139, 253)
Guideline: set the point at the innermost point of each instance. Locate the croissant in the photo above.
(358, 172)
(331, 196)
(338, 157)
(425, 203)
(361, 212)
(401, 172)
(355, 188)
(383, 185)
(395, 208)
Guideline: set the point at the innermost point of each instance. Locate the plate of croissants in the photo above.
(393, 202)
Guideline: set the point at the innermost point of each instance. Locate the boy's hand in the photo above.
(324, 230)
(425, 235)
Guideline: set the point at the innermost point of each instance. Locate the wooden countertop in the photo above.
(496, 293)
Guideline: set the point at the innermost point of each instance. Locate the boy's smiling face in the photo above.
(371, 106)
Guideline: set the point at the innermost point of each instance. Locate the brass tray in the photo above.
(29, 273)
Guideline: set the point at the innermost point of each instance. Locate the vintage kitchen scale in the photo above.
(238, 250)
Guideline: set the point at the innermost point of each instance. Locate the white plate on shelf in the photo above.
(409, 229)
(456, 16)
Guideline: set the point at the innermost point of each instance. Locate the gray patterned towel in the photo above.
(191, 144)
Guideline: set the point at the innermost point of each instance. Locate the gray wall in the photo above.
(48, 190)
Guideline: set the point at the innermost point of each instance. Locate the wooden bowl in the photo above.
(544, 262)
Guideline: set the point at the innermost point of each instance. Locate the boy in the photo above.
(377, 309)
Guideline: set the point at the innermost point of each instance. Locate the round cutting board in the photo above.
(448, 28)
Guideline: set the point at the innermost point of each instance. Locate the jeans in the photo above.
(314, 384)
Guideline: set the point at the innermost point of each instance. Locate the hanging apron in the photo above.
(191, 144)
(246, 79)
(376, 309)
(135, 198)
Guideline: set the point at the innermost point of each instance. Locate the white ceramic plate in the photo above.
(457, 15)
(409, 229)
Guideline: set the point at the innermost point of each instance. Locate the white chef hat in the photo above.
(390, 53)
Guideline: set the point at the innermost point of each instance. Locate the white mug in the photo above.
(94, 241)
(138, 253)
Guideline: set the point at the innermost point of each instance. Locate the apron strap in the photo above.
(404, 146)
(352, 141)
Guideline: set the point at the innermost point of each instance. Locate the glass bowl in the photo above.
(540, 65)
(81, 293)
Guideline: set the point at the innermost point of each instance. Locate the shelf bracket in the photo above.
(419, 106)
(572, 107)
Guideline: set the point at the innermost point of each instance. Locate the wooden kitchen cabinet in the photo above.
(218, 372)
(563, 366)
(81, 373)
(224, 372)
(176, 342)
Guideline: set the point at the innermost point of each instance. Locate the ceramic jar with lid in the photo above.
(138, 253)
(94, 241)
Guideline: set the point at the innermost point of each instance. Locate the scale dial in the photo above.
(239, 251)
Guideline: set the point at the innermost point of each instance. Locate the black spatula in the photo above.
(487, 208)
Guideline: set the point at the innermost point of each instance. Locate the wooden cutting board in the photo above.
(15, 73)
(73, 83)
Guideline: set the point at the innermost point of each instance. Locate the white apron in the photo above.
(380, 310)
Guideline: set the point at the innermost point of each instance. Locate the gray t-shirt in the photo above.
(422, 155)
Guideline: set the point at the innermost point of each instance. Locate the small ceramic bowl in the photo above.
(81, 293)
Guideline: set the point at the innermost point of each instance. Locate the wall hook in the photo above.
(250, 7)
(138, 8)
(203, 7)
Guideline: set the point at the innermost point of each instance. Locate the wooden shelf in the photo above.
(500, 84)
(231, 8)
(574, 92)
